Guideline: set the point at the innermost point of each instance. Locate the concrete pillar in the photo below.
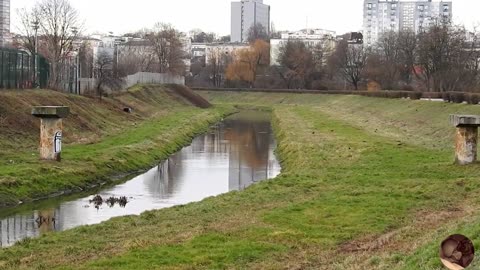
(466, 145)
(466, 138)
(51, 128)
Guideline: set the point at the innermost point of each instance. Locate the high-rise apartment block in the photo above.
(4, 21)
(380, 16)
(246, 14)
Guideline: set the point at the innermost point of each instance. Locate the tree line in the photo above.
(442, 58)
(53, 28)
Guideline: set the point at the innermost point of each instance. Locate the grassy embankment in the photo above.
(367, 183)
(101, 140)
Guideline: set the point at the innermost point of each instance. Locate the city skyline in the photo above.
(214, 15)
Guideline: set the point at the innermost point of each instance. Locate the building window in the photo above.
(369, 6)
(421, 7)
(445, 8)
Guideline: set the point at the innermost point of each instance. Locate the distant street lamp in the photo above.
(35, 26)
(76, 60)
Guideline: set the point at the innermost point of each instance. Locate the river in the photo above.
(233, 155)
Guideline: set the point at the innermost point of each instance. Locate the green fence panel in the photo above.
(17, 70)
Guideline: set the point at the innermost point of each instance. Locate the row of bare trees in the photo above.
(442, 58)
(224, 67)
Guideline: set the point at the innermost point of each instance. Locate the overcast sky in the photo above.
(120, 16)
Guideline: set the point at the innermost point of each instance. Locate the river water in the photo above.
(233, 155)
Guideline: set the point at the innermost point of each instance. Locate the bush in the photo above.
(446, 97)
(473, 99)
(457, 97)
(415, 95)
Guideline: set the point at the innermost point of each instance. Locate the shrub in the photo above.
(473, 99)
(457, 97)
(415, 95)
(446, 97)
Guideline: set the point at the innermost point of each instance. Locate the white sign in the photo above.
(57, 142)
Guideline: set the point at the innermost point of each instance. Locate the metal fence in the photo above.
(20, 70)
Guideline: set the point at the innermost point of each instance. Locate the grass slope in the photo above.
(101, 139)
(366, 184)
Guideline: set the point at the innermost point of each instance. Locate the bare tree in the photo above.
(168, 48)
(407, 43)
(351, 61)
(299, 63)
(389, 55)
(446, 59)
(288, 76)
(28, 20)
(136, 57)
(217, 64)
(59, 26)
(105, 74)
(257, 31)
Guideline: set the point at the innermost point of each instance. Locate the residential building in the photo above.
(226, 49)
(4, 21)
(245, 14)
(311, 37)
(380, 16)
(106, 47)
(198, 50)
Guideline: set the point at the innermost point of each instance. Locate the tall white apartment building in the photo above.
(4, 21)
(380, 16)
(246, 14)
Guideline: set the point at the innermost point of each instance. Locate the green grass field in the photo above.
(367, 183)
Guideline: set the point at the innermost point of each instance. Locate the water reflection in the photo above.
(232, 156)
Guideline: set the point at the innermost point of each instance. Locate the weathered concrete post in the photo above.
(466, 138)
(51, 127)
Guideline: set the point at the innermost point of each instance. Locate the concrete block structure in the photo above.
(245, 14)
(380, 16)
(466, 138)
(51, 128)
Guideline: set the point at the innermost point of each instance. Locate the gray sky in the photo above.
(121, 16)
